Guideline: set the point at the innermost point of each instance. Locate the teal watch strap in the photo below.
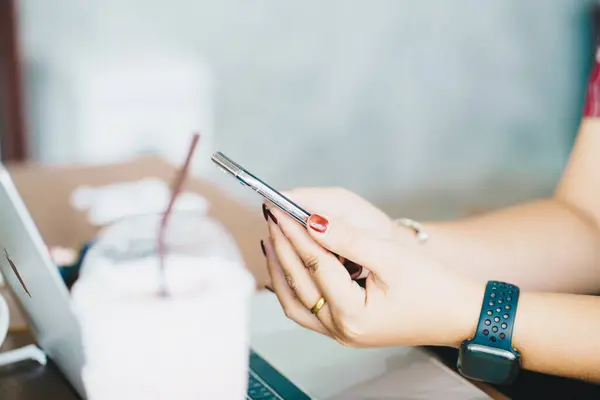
(497, 316)
(489, 356)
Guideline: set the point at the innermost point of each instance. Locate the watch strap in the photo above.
(497, 317)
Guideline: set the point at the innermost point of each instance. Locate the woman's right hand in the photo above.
(409, 298)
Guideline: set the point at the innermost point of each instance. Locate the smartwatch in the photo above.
(489, 355)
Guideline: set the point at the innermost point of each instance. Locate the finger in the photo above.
(378, 254)
(330, 276)
(297, 275)
(292, 307)
(314, 198)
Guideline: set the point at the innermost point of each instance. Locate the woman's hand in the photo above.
(409, 298)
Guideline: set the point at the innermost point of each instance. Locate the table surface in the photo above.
(31, 381)
(328, 370)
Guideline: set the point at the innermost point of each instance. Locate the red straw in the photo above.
(176, 187)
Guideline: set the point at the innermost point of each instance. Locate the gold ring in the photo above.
(318, 305)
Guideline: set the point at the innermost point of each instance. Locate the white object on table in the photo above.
(190, 345)
(108, 203)
(4, 319)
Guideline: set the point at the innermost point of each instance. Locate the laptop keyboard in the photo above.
(259, 390)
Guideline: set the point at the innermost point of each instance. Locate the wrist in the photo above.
(489, 355)
(457, 312)
(453, 316)
(464, 311)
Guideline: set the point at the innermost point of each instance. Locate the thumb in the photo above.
(374, 253)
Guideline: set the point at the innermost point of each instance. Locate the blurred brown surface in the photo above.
(17, 338)
(46, 191)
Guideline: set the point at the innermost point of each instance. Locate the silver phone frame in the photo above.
(246, 178)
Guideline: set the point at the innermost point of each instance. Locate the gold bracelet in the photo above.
(414, 226)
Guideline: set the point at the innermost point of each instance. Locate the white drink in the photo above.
(191, 345)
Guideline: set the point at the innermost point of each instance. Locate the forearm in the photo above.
(549, 245)
(544, 245)
(555, 333)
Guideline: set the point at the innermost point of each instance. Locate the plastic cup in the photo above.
(192, 343)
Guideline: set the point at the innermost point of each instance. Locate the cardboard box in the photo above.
(47, 190)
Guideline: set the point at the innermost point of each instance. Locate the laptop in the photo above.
(282, 362)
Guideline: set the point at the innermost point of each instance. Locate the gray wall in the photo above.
(389, 98)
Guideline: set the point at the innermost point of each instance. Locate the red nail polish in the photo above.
(262, 247)
(318, 223)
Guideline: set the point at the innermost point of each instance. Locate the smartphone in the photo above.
(286, 205)
(271, 195)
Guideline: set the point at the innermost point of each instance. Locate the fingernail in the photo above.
(353, 269)
(318, 223)
(268, 214)
(262, 247)
(269, 289)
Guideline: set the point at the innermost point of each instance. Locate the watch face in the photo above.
(488, 364)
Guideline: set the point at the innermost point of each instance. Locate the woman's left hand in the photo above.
(409, 298)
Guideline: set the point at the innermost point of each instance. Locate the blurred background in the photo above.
(430, 109)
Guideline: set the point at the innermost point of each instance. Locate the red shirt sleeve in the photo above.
(591, 107)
